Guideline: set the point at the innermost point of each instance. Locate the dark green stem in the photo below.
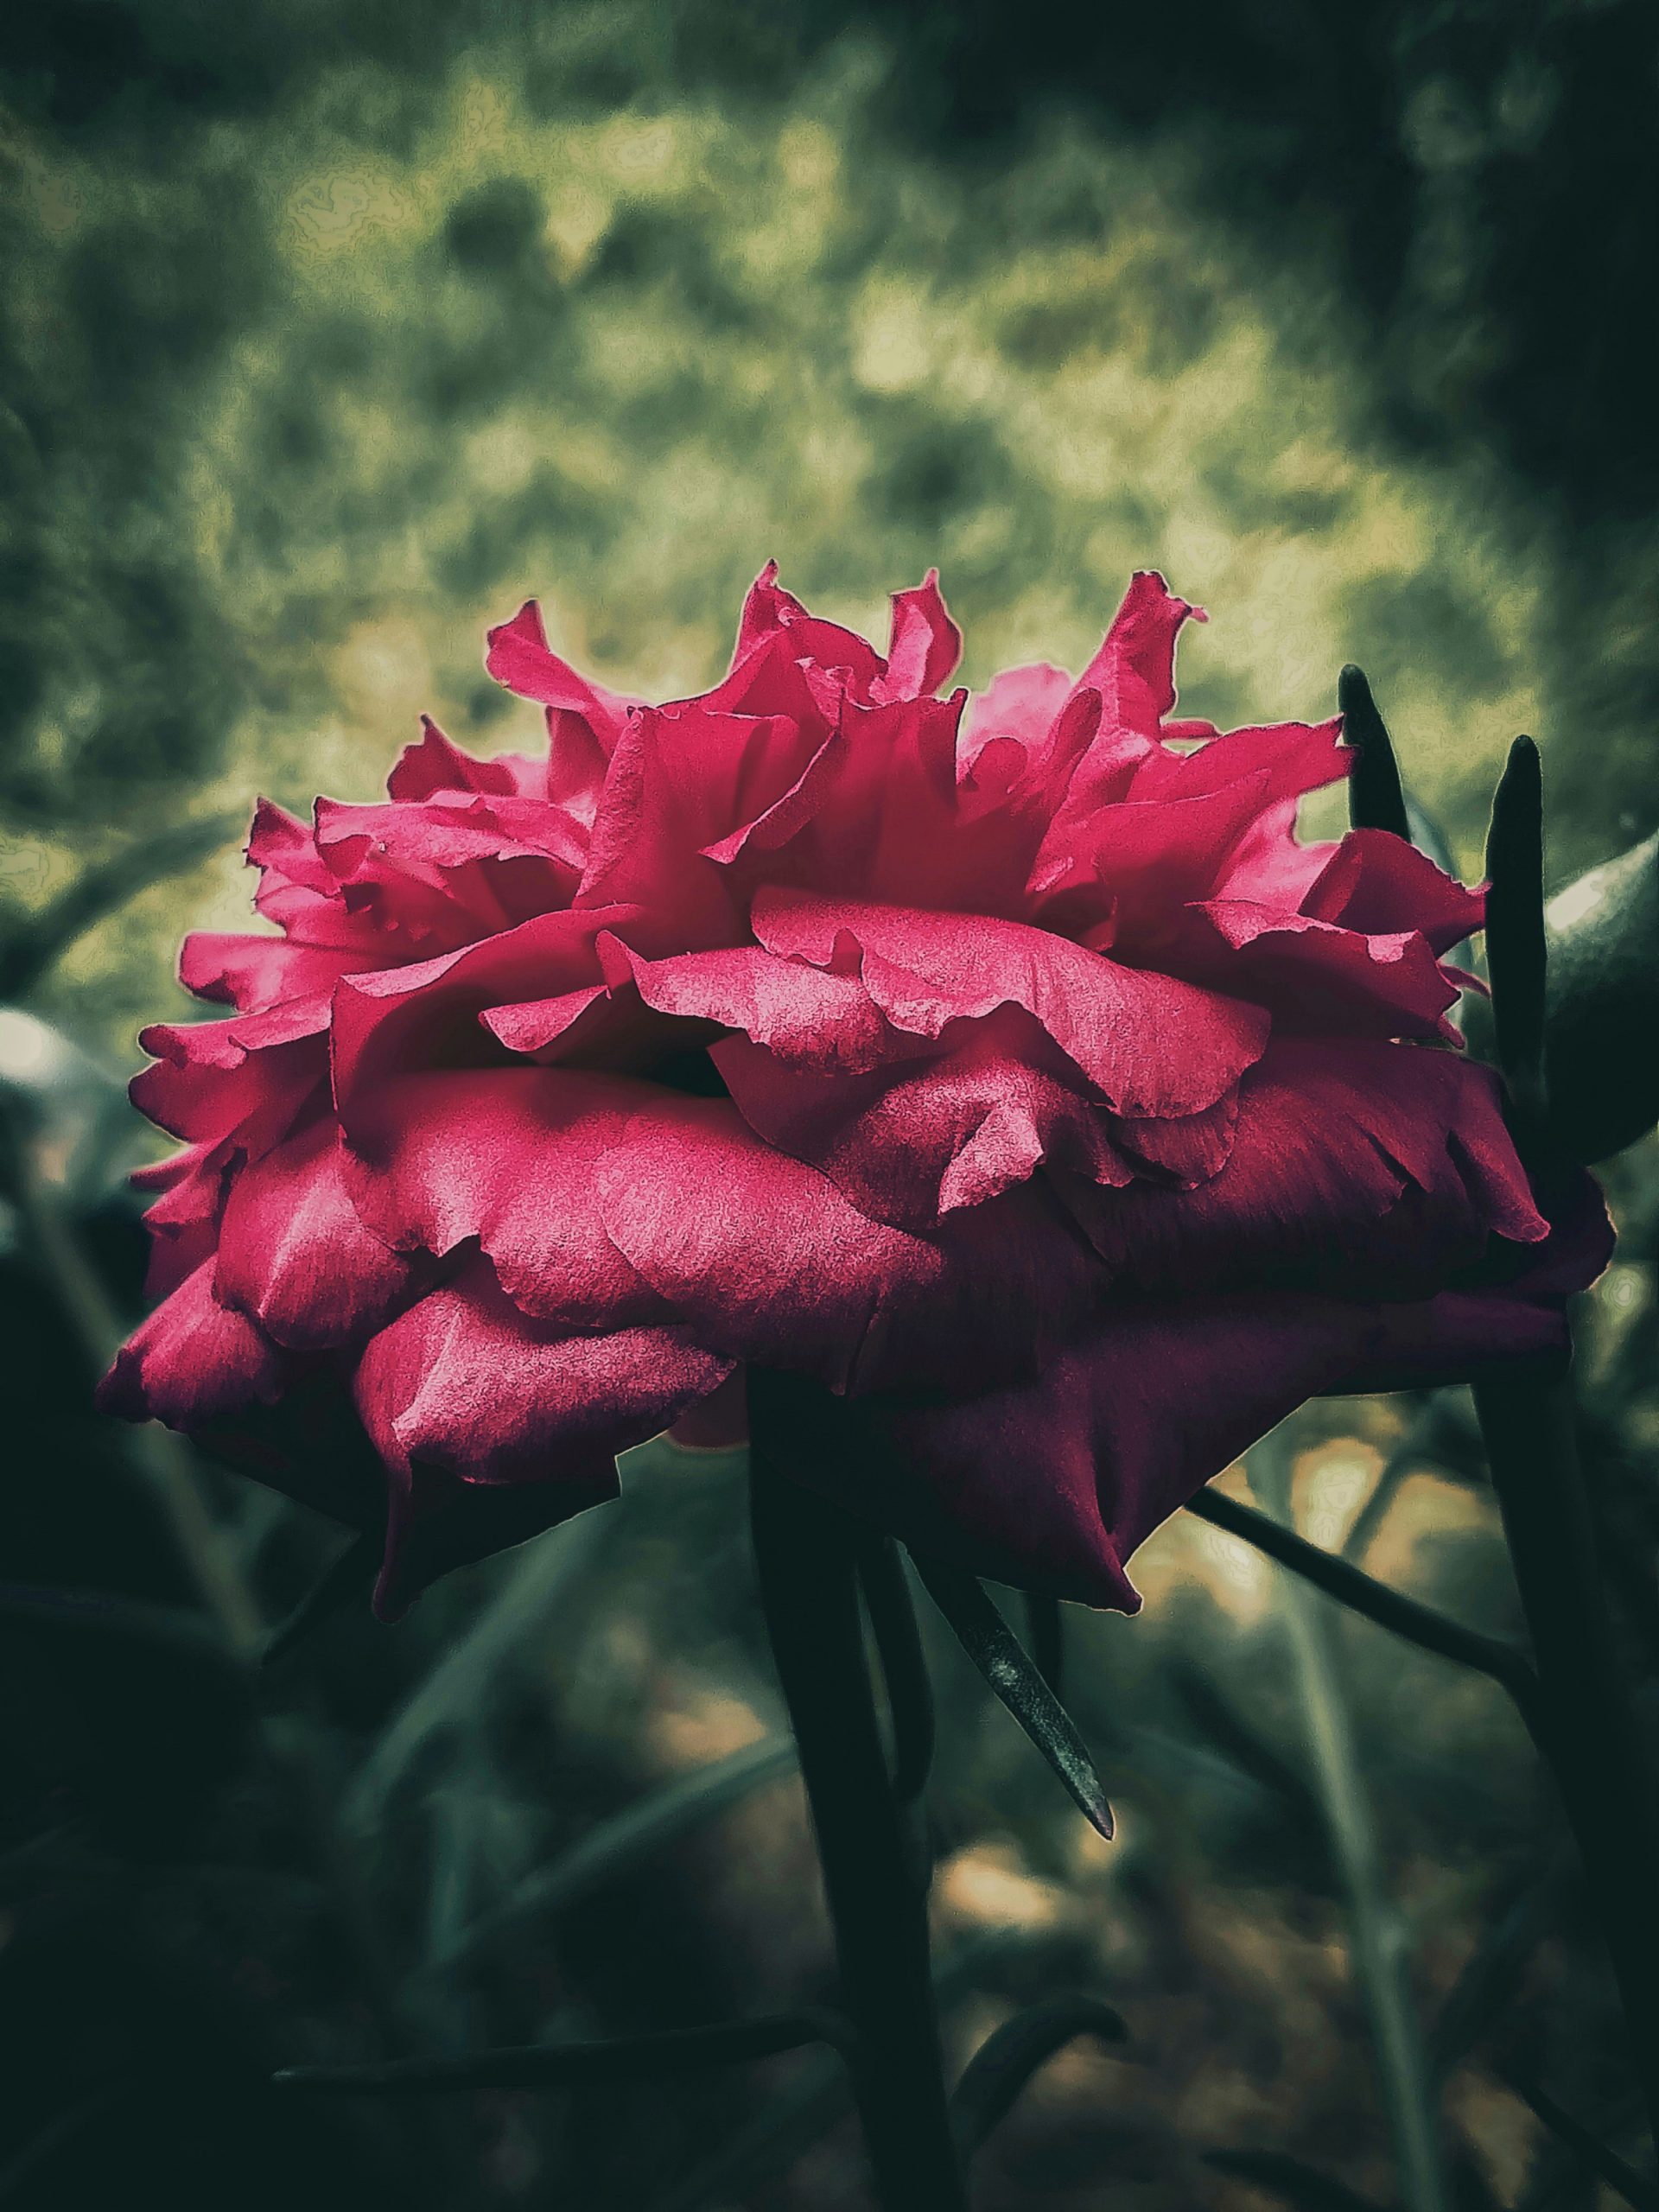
(1590, 1735)
(807, 1554)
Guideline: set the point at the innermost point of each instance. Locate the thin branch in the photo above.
(554, 2066)
(1362, 1594)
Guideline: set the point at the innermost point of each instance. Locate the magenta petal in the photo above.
(806, 1017)
(1052, 1484)
(907, 1143)
(435, 764)
(463, 1380)
(193, 1361)
(1317, 974)
(1378, 885)
(506, 1158)
(1353, 1164)
(762, 1257)
(1133, 671)
(771, 1264)
(294, 1254)
(216, 1091)
(519, 657)
(925, 646)
(253, 973)
(183, 1219)
(1151, 1044)
(399, 1018)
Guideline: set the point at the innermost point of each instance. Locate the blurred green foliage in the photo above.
(324, 341)
(329, 331)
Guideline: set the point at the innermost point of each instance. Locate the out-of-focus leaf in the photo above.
(21, 2175)
(346, 1580)
(172, 1630)
(617, 1846)
(1601, 1023)
(1005, 2062)
(796, 2118)
(552, 2066)
(29, 948)
(1362, 1594)
(1492, 1975)
(1302, 2187)
(539, 1577)
(904, 1664)
(1589, 2150)
(1471, 2189)
(1000, 1657)
(1219, 1719)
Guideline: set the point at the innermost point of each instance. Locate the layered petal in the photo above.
(466, 1383)
(1371, 1168)
(192, 1362)
(294, 1253)
(506, 1159)
(1151, 1045)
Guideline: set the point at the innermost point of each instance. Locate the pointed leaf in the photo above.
(1005, 2061)
(1515, 953)
(547, 2066)
(1000, 1657)
(1376, 800)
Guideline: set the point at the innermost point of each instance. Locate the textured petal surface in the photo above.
(466, 1383)
(295, 1256)
(192, 1362)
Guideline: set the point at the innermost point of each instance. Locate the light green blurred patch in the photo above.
(498, 339)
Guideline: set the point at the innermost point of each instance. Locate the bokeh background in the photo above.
(329, 331)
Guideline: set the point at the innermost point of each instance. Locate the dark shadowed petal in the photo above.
(1376, 883)
(1053, 1485)
(183, 1218)
(766, 1261)
(1352, 1163)
(1317, 974)
(390, 1021)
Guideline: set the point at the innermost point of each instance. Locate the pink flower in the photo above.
(1011, 1061)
